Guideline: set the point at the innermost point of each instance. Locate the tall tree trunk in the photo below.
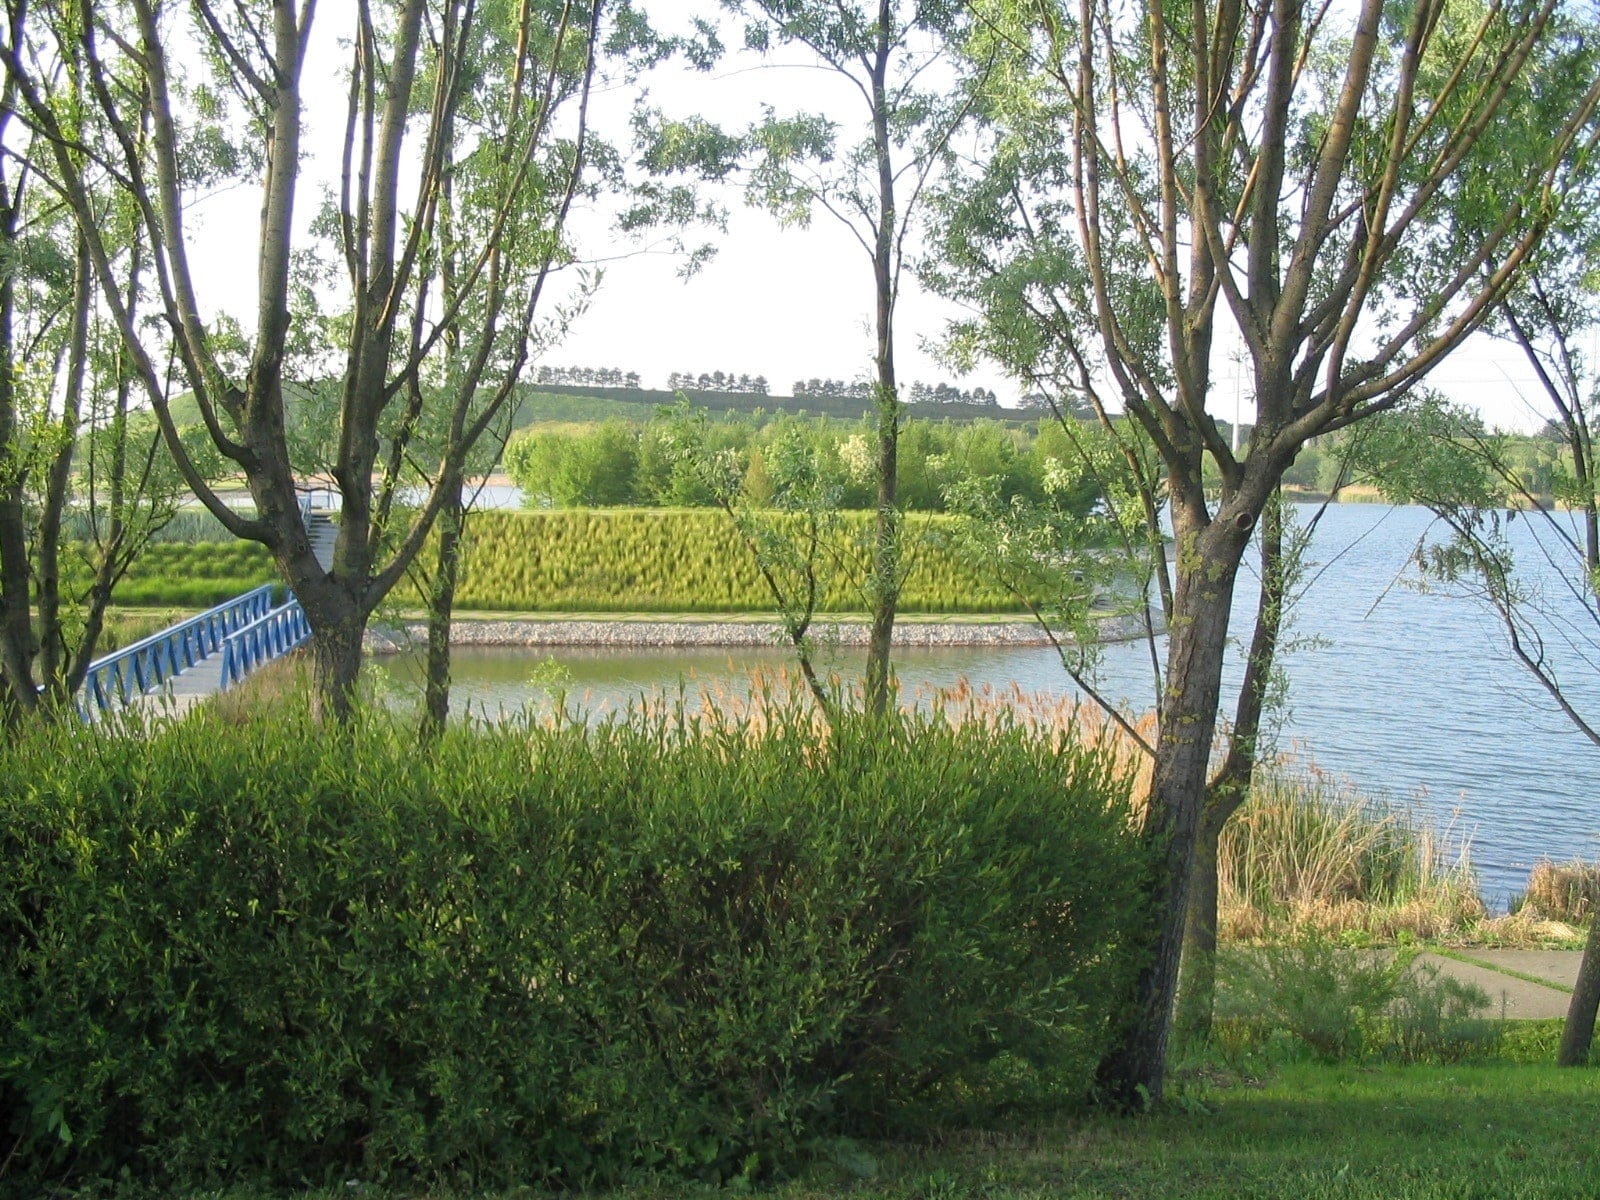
(54, 660)
(1230, 787)
(1132, 1075)
(884, 588)
(441, 605)
(17, 644)
(336, 634)
(1577, 1034)
(1197, 980)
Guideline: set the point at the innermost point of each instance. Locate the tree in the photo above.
(84, 480)
(884, 49)
(1438, 455)
(1330, 186)
(465, 136)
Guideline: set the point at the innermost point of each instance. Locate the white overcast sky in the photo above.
(787, 303)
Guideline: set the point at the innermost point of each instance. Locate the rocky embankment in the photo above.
(637, 633)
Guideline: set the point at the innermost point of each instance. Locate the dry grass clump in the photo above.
(1565, 892)
(1066, 718)
(282, 682)
(1308, 853)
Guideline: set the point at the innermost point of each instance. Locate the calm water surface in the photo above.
(1408, 695)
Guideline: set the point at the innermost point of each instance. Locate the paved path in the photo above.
(1544, 992)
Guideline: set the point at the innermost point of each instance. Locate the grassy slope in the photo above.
(1346, 1132)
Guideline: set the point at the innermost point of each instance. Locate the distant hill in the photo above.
(567, 402)
(586, 403)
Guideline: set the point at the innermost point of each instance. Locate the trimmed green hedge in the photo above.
(690, 560)
(273, 954)
(605, 560)
(193, 574)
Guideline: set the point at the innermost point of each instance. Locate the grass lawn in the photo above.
(1405, 1132)
(1408, 1133)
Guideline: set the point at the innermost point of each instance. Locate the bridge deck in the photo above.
(176, 696)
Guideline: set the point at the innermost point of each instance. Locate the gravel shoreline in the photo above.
(640, 634)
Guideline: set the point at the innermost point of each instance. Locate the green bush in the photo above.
(271, 952)
(1341, 1002)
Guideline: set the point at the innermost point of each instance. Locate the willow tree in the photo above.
(887, 52)
(464, 133)
(84, 479)
(1346, 191)
(1443, 457)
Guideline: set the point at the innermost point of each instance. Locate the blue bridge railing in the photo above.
(270, 636)
(150, 662)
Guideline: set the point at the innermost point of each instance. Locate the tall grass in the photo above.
(1308, 852)
(1567, 892)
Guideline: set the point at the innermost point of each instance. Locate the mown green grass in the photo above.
(1318, 1132)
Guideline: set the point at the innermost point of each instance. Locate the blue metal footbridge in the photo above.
(209, 653)
(197, 657)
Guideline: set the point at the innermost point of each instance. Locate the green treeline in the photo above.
(1538, 464)
(256, 953)
(661, 461)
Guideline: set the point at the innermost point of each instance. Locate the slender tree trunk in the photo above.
(1230, 788)
(17, 643)
(885, 583)
(1208, 563)
(441, 605)
(1578, 1033)
(53, 657)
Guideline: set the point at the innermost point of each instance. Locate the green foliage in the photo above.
(592, 470)
(254, 951)
(690, 560)
(191, 574)
(1344, 1003)
(588, 466)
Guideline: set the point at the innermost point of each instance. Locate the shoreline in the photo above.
(664, 633)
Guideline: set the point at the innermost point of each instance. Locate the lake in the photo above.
(1410, 696)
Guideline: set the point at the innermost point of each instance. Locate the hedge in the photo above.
(188, 574)
(691, 560)
(607, 560)
(265, 954)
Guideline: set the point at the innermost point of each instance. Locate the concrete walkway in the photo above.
(183, 691)
(1522, 984)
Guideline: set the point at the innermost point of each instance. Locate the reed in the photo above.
(1567, 892)
(1309, 853)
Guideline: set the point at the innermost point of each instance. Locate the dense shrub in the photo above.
(274, 952)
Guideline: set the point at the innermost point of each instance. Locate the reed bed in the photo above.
(1307, 852)
(1566, 892)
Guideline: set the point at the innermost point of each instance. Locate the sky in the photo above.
(787, 303)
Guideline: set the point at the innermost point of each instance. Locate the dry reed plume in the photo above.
(1565, 892)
